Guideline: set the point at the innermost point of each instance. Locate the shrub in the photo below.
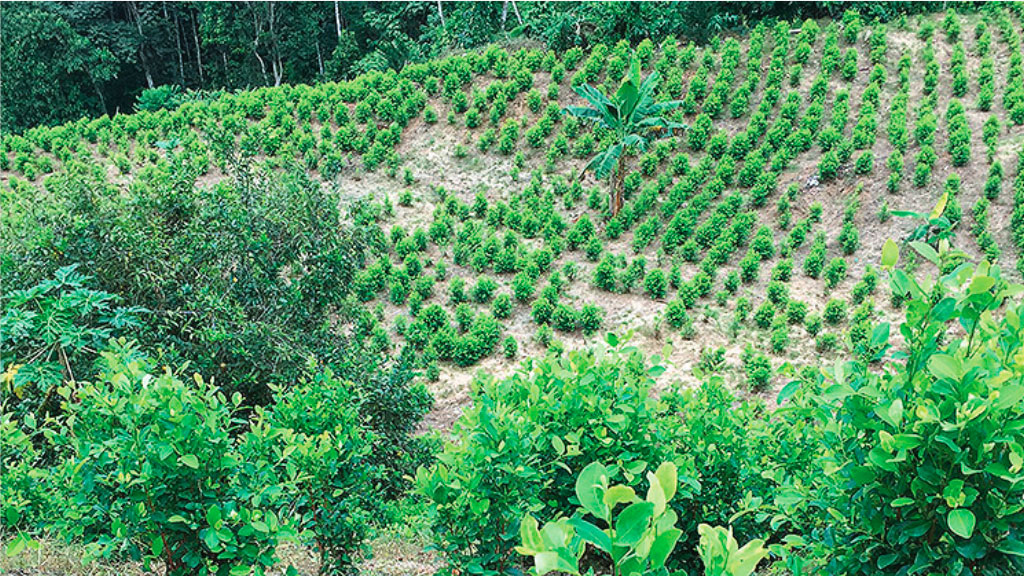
(564, 318)
(815, 260)
(757, 368)
(796, 312)
(898, 470)
(457, 290)
(764, 315)
(523, 287)
(510, 348)
(605, 275)
(699, 131)
(655, 284)
(174, 441)
(825, 343)
(864, 163)
(501, 308)
(835, 311)
(835, 272)
(484, 289)
(590, 319)
(542, 424)
(780, 337)
(634, 273)
(542, 310)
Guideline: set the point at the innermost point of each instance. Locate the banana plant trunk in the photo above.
(617, 179)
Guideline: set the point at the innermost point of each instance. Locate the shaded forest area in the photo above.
(65, 60)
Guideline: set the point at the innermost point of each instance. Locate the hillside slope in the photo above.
(765, 218)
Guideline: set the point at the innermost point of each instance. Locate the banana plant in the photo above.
(633, 116)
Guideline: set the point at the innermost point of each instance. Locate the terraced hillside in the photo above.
(749, 244)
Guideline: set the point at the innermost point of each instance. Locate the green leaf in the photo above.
(961, 522)
(590, 488)
(189, 460)
(945, 366)
(17, 545)
(668, 476)
(553, 561)
(890, 254)
(210, 538)
(926, 251)
(618, 494)
(240, 570)
(787, 392)
(980, 284)
(157, 546)
(1011, 546)
(1009, 395)
(940, 206)
(901, 502)
(592, 534)
(530, 534)
(632, 522)
(896, 412)
(213, 515)
(663, 546)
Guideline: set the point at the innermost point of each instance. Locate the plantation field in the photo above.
(762, 110)
(438, 237)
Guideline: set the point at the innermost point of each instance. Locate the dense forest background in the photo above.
(63, 60)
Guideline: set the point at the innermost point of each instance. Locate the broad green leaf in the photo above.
(668, 476)
(189, 460)
(632, 522)
(551, 561)
(619, 494)
(980, 284)
(940, 206)
(787, 392)
(240, 570)
(530, 534)
(17, 545)
(926, 251)
(655, 494)
(945, 366)
(590, 488)
(1010, 395)
(213, 515)
(900, 502)
(592, 534)
(157, 545)
(896, 412)
(663, 546)
(961, 522)
(890, 254)
(209, 536)
(1011, 546)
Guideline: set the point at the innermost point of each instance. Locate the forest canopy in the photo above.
(65, 60)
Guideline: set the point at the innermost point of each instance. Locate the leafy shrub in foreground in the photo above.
(543, 427)
(929, 454)
(194, 496)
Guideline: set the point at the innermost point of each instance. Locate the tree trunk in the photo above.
(337, 18)
(199, 52)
